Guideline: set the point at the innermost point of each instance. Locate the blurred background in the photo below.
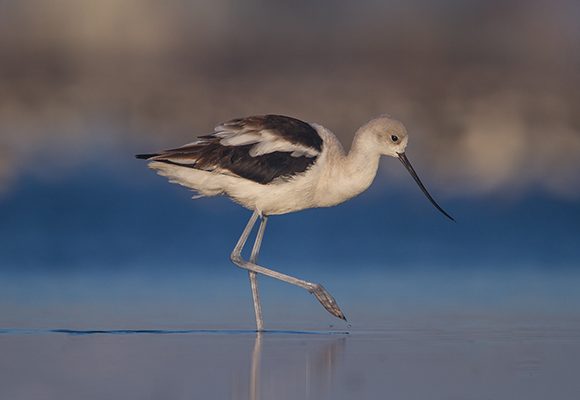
(487, 89)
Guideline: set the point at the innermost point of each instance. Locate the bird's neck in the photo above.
(352, 173)
(362, 161)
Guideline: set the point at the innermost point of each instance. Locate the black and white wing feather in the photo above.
(259, 148)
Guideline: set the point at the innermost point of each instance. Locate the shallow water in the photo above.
(417, 335)
(452, 359)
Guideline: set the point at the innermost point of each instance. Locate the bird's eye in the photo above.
(394, 138)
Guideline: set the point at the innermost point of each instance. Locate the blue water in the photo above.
(116, 239)
(114, 284)
(97, 218)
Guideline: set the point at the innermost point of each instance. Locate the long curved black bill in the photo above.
(405, 161)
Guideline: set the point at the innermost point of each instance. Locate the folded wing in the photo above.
(259, 148)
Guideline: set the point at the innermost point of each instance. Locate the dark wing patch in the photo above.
(210, 155)
(291, 129)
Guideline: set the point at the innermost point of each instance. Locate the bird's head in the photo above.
(389, 135)
(390, 138)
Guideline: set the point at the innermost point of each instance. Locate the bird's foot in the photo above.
(327, 300)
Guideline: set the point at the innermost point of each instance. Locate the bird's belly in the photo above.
(282, 199)
(275, 198)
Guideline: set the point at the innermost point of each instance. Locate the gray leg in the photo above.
(253, 278)
(253, 275)
(318, 290)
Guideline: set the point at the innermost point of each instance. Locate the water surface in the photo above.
(463, 359)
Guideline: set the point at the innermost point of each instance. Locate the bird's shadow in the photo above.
(83, 332)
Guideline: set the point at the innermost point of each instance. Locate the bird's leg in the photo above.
(323, 296)
(254, 276)
(245, 234)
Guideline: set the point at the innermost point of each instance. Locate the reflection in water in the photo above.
(323, 367)
(255, 375)
(450, 360)
(311, 366)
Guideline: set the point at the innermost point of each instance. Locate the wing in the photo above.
(259, 148)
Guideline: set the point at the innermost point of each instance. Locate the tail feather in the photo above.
(145, 156)
(204, 183)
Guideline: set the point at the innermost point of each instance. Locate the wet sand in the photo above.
(449, 359)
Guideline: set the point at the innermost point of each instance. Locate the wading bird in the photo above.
(273, 164)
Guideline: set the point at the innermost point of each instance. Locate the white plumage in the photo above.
(275, 165)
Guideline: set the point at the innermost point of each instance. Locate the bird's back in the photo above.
(243, 157)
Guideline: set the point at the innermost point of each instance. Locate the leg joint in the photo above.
(237, 259)
(313, 287)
